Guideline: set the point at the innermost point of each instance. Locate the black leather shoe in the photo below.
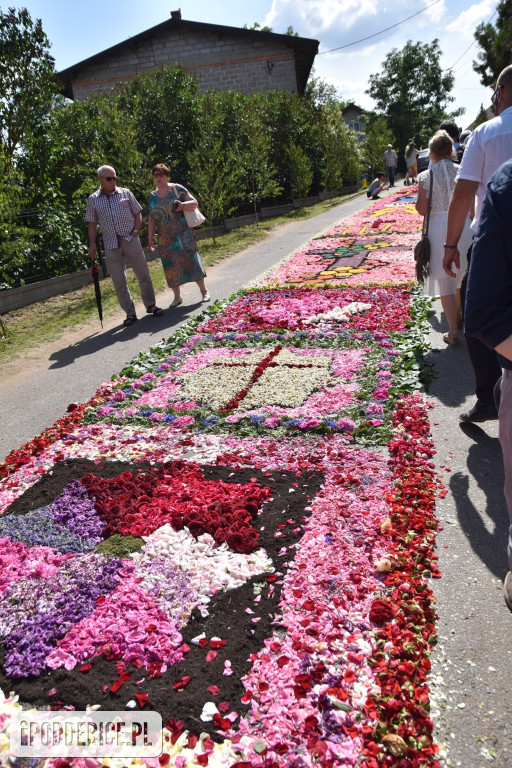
(480, 412)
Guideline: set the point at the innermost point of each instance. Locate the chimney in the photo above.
(176, 15)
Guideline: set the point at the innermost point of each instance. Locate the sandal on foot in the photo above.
(449, 339)
(205, 296)
(129, 320)
(154, 310)
(176, 303)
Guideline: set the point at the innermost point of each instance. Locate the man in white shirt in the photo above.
(489, 146)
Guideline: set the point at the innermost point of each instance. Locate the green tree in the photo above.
(340, 155)
(289, 30)
(412, 91)
(27, 77)
(375, 144)
(61, 162)
(258, 27)
(320, 92)
(482, 117)
(496, 45)
(165, 109)
(289, 119)
(255, 158)
(216, 176)
(301, 171)
(13, 235)
(78, 137)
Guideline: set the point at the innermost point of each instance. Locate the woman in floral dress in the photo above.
(176, 241)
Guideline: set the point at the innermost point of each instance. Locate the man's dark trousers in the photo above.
(483, 359)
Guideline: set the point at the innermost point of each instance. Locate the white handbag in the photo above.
(193, 218)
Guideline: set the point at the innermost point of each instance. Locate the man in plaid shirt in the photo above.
(390, 161)
(118, 214)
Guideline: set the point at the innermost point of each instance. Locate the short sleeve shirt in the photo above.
(488, 147)
(115, 214)
(374, 187)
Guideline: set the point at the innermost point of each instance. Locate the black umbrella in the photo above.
(96, 281)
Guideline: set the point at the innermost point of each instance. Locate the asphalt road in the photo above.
(472, 663)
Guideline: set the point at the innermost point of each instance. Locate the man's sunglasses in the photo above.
(109, 178)
(496, 95)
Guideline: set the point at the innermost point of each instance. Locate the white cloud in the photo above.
(465, 24)
(337, 23)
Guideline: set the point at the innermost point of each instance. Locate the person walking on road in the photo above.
(441, 179)
(176, 240)
(411, 158)
(390, 162)
(489, 311)
(118, 214)
(489, 146)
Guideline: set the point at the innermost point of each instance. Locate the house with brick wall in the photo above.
(222, 57)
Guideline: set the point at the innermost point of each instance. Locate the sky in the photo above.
(77, 30)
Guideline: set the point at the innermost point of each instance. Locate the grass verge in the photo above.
(48, 320)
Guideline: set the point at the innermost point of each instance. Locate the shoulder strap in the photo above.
(426, 219)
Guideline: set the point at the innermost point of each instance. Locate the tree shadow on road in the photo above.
(145, 326)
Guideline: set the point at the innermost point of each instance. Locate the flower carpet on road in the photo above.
(371, 247)
(238, 531)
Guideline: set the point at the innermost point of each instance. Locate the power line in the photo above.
(381, 31)
(470, 45)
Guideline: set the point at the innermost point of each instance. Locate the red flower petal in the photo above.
(142, 698)
(192, 740)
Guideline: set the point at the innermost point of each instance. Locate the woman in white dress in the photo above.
(443, 180)
(411, 158)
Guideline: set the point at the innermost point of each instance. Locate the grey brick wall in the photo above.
(220, 60)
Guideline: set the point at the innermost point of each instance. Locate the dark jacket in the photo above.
(488, 308)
